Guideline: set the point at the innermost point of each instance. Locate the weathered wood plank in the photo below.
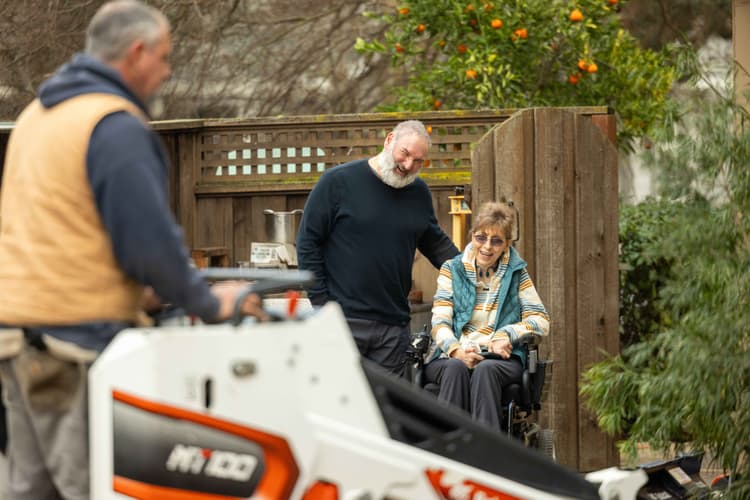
(299, 183)
(224, 143)
(592, 149)
(242, 212)
(608, 125)
(550, 148)
(589, 274)
(610, 204)
(361, 120)
(215, 224)
(295, 201)
(514, 176)
(483, 170)
(186, 177)
(173, 174)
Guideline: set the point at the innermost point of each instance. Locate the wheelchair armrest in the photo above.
(527, 389)
(537, 381)
(528, 340)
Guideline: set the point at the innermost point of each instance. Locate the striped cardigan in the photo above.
(463, 310)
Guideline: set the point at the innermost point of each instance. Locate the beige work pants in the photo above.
(47, 414)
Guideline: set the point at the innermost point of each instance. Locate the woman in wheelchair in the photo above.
(485, 300)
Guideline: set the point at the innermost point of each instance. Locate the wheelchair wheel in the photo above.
(546, 443)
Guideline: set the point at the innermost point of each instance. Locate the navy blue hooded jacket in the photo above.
(127, 169)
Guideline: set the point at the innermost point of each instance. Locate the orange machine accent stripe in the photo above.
(281, 467)
(435, 476)
(143, 491)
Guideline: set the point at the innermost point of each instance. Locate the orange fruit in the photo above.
(399, 47)
(469, 8)
(471, 74)
(420, 28)
(582, 65)
(612, 2)
(521, 33)
(592, 68)
(461, 48)
(437, 104)
(488, 7)
(473, 22)
(576, 15)
(404, 11)
(497, 24)
(429, 129)
(573, 79)
(441, 43)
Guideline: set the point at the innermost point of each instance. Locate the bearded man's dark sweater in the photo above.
(359, 236)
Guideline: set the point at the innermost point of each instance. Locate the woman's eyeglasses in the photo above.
(481, 239)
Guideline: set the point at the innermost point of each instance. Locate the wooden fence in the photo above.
(560, 171)
(226, 172)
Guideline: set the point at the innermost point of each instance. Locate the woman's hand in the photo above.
(502, 347)
(469, 356)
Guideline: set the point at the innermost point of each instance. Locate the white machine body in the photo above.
(271, 410)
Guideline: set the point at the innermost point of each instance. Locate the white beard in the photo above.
(388, 170)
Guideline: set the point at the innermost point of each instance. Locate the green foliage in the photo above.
(690, 382)
(643, 270)
(533, 55)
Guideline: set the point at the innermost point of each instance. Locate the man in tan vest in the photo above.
(86, 227)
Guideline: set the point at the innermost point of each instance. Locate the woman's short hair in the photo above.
(493, 214)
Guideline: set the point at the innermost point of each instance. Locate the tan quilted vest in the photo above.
(56, 261)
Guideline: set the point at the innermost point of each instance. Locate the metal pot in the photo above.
(281, 227)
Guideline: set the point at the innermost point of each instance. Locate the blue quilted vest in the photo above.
(509, 306)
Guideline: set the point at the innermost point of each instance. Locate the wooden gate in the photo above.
(560, 171)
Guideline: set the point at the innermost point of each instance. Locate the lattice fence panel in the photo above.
(308, 146)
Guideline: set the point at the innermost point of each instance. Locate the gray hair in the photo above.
(116, 25)
(411, 127)
(497, 215)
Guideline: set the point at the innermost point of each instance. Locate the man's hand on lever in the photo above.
(227, 293)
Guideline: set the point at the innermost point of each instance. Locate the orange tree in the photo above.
(470, 54)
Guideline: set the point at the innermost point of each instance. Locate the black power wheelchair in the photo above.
(520, 402)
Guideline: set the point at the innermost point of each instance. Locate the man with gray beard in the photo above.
(361, 226)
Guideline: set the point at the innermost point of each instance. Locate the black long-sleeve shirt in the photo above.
(359, 236)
